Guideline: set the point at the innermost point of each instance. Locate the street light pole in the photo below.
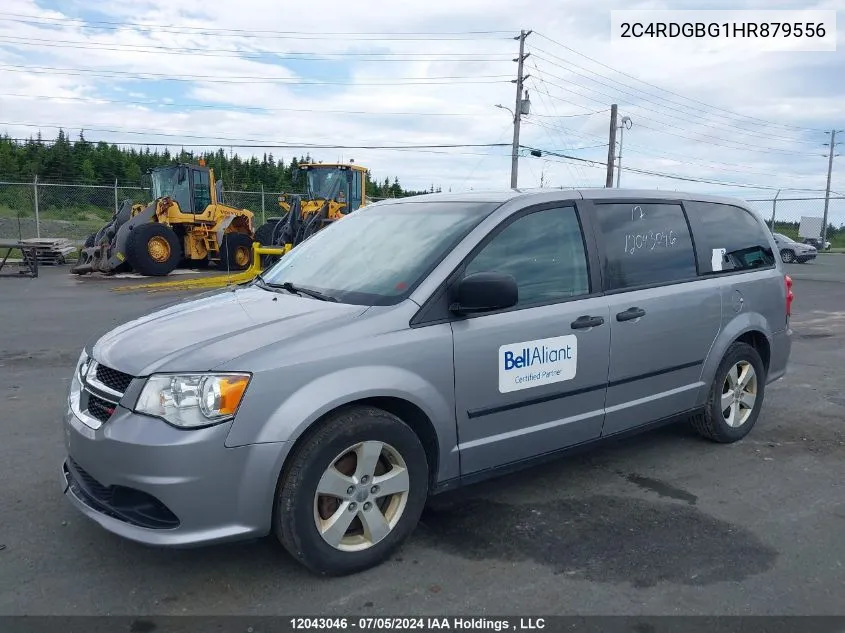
(626, 124)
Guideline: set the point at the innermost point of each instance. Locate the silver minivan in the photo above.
(417, 345)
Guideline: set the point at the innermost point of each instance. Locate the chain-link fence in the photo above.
(802, 217)
(74, 210)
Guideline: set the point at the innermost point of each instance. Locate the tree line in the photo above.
(81, 161)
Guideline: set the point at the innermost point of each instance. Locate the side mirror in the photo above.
(484, 292)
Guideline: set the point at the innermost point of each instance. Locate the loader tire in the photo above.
(153, 249)
(267, 235)
(89, 241)
(235, 252)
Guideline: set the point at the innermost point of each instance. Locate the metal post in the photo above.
(37, 219)
(774, 210)
(625, 123)
(827, 189)
(611, 147)
(262, 204)
(517, 112)
(115, 195)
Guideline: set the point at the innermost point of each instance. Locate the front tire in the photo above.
(153, 249)
(235, 252)
(735, 397)
(787, 256)
(352, 493)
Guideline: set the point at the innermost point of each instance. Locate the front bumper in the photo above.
(806, 255)
(147, 481)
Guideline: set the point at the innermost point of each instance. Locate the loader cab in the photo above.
(339, 182)
(190, 186)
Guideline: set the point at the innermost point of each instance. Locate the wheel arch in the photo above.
(405, 410)
(750, 328)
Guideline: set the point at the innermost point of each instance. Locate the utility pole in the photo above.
(518, 108)
(611, 147)
(625, 124)
(774, 210)
(827, 189)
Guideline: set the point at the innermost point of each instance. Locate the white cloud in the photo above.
(669, 134)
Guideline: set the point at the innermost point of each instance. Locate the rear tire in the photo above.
(363, 527)
(728, 417)
(235, 252)
(153, 249)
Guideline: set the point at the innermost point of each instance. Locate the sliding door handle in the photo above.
(583, 322)
(630, 314)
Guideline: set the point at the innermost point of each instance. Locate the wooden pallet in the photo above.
(49, 251)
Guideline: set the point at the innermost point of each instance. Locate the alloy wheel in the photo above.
(739, 394)
(361, 496)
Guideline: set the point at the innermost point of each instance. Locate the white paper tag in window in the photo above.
(717, 259)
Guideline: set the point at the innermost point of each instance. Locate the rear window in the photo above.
(729, 238)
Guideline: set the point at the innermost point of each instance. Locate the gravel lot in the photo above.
(664, 523)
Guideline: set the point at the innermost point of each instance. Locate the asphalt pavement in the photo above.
(664, 523)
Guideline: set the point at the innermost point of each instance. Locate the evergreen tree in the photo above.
(79, 161)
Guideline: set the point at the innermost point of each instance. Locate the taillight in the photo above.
(789, 295)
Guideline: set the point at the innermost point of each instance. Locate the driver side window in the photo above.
(544, 252)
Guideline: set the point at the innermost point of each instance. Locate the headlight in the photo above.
(82, 364)
(75, 388)
(192, 400)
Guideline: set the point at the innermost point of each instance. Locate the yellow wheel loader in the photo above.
(333, 190)
(187, 223)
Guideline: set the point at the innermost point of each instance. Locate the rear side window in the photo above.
(729, 238)
(644, 244)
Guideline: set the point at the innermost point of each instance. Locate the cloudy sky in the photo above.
(427, 73)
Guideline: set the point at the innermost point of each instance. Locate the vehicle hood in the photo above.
(201, 333)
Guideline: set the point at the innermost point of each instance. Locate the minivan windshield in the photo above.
(378, 255)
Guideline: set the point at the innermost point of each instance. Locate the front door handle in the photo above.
(630, 314)
(583, 322)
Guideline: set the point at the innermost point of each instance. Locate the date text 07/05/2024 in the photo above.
(410, 623)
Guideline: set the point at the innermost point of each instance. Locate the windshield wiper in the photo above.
(299, 290)
(258, 280)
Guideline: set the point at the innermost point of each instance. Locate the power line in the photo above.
(741, 144)
(567, 116)
(684, 159)
(581, 173)
(238, 107)
(702, 103)
(725, 183)
(228, 141)
(251, 33)
(660, 103)
(240, 54)
(289, 81)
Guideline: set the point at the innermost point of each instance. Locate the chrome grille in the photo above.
(113, 379)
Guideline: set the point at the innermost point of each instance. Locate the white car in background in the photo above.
(792, 251)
